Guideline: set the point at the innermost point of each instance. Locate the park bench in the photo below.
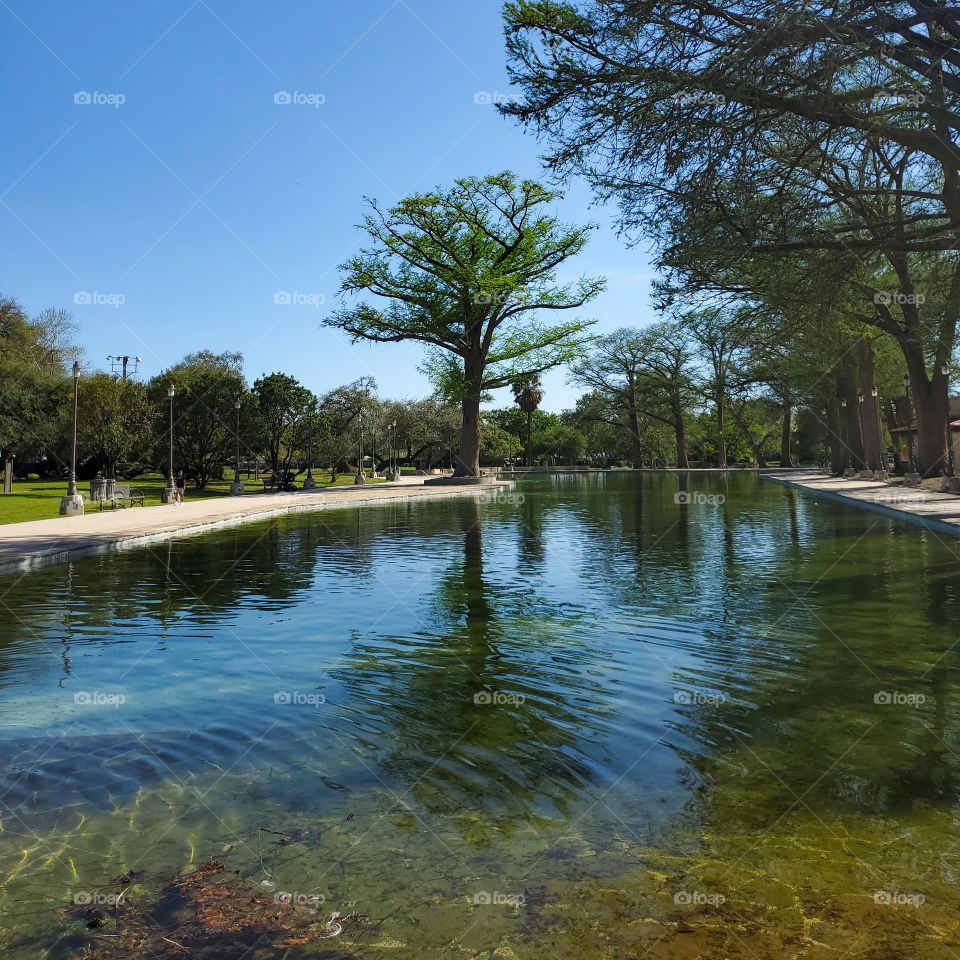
(123, 496)
(269, 484)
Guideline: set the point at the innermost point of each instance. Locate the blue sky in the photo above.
(176, 202)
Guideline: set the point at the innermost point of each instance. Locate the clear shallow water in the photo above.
(593, 723)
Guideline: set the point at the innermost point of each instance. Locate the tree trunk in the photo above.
(8, 471)
(851, 439)
(721, 429)
(838, 449)
(929, 403)
(529, 454)
(468, 456)
(682, 462)
(635, 447)
(786, 455)
(872, 453)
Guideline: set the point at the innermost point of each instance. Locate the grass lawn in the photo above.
(40, 499)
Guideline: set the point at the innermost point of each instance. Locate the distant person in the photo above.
(181, 482)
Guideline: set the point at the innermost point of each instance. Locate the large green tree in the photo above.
(285, 407)
(468, 271)
(34, 354)
(340, 407)
(204, 435)
(114, 420)
(799, 126)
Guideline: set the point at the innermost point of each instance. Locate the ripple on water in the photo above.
(593, 699)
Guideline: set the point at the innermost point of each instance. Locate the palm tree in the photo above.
(528, 395)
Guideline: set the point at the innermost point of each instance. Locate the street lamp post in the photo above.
(945, 370)
(849, 472)
(373, 473)
(170, 494)
(392, 439)
(826, 452)
(309, 483)
(360, 478)
(396, 457)
(863, 444)
(71, 505)
(236, 488)
(881, 471)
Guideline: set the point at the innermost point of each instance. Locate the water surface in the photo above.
(585, 721)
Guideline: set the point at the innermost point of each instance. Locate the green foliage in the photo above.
(284, 406)
(114, 420)
(207, 386)
(466, 271)
(497, 444)
(33, 384)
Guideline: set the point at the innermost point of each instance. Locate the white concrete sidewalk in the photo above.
(936, 511)
(23, 545)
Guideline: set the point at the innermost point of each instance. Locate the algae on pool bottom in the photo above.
(592, 724)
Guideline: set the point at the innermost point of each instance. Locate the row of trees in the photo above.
(645, 400)
(797, 166)
(123, 422)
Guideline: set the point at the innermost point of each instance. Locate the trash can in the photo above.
(98, 489)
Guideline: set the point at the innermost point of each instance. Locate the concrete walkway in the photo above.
(24, 545)
(935, 511)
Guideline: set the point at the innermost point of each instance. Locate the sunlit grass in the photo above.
(40, 499)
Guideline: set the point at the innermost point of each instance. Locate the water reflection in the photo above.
(476, 716)
(589, 697)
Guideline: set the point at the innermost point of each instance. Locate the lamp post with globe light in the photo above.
(881, 471)
(361, 477)
(170, 494)
(865, 467)
(236, 488)
(392, 472)
(849, 472)
(945, 370)
(71, 505)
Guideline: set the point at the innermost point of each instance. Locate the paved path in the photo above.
(936, 511)
(23, 545)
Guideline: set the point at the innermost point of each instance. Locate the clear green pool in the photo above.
(595, 723)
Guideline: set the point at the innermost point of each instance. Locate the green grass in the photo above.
(40, 499)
